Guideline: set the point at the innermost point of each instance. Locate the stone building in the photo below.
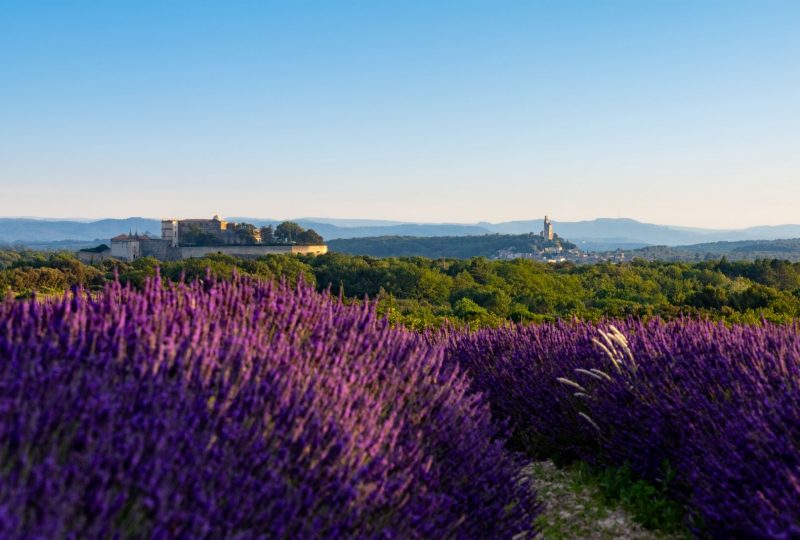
(209, 228)
(127, 246)
(169, 231)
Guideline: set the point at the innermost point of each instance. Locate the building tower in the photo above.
(547, 232)
(169, 231)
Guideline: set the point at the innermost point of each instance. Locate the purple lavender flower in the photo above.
(241, 409)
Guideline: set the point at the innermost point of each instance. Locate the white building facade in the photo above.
(126, 247)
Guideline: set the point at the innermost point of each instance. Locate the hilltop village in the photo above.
(187, 238)
(548, 247)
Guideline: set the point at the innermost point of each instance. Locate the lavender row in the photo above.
(720, 405)
(242, 410)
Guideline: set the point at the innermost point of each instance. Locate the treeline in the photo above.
(286, 232)
(741, 250)
(23, 272)
(434, 247)
(423, 292)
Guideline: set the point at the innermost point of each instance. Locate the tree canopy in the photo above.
(289, 232)
(423, 292)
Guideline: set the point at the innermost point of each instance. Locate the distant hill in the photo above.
(595, 235)
(458, 247)
(30, 231)
(330, 231)
(39, 231)
(788, 249)
(488, 245)
(55, 245)
(622, 233)
(608, 244)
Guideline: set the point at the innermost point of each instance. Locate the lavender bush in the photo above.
(720, 405)
(240, 410)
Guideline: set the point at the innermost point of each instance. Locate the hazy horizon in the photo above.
(681, 113)
(387, 222)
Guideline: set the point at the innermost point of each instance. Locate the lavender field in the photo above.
(714, 408)
(246, 409)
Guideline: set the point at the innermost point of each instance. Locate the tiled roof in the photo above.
(128, 237)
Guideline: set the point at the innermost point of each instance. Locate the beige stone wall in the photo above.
(320, 249)
(91, 257)
(158, 248)
(127, 250)
(187, 252)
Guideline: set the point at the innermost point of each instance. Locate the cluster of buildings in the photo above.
(548, 255)
(187, 238)
(549, 249)
(559, 256)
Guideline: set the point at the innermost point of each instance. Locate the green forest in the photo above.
(421, 292)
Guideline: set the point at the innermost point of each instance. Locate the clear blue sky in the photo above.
(679, 112)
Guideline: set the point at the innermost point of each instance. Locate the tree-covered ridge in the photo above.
(423, 292)
(459, 247)
(742, 250)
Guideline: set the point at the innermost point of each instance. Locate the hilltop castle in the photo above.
(187, 238)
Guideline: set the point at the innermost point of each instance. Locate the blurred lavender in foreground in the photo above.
(243, 410)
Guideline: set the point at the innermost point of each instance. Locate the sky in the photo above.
(672, 112)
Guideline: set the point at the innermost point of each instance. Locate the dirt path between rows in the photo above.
(575, 511)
